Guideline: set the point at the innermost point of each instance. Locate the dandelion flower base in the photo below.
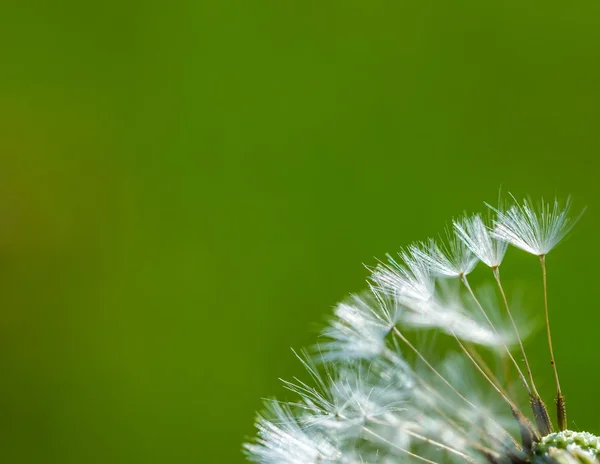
(582, 446)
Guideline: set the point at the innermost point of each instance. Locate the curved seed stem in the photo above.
(496, 272)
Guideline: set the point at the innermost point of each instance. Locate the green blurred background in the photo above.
(187, 188)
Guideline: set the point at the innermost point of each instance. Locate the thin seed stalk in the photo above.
(496, 272)
(472, 293)
(561, 408)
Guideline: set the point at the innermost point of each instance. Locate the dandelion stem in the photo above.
(552, 361)
(472, 293)
(496, 271)
(561, 408)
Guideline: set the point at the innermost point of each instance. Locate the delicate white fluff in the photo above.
(476, 235)
(365, 412)
(451, 259)
(412, 279)
(352, 398)
(354, 333)
(453, 321)
(385, 310)
(373, 412)
(457, 314)
(281, 440)
(360, 326)
(534, 230)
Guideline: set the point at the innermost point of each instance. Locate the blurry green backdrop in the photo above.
(186, 189)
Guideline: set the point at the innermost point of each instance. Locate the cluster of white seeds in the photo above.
(379, 393)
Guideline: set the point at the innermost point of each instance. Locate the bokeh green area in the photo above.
(186, 189)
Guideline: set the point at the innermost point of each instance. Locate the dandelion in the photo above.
(377, 395)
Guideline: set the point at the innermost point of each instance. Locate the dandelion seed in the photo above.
(451, 259)
(353, 334)
(411, 280)
(476, 235)
(538, 231)
(534, 230)
(376, 397)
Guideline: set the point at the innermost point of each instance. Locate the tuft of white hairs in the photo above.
(282, 440)
(536, 230)
(476, 235)
(410, 277)
(452, 258)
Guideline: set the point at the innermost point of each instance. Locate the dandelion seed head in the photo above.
(375, 395)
